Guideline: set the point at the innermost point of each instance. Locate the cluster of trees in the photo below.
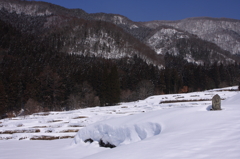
(200, 77)
(36, 76)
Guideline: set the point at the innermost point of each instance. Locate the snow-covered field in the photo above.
(163, 126)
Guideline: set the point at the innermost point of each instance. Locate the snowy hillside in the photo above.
(223, 32)
(163, 40)
(163, 126)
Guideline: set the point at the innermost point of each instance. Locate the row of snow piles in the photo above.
(112, 136)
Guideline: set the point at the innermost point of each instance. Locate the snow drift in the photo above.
(117, 135)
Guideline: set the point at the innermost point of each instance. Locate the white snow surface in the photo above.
(153, 128)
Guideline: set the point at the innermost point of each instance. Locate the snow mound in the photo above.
(118, 135)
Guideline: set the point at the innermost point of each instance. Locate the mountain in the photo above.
(198, 40)
(222, 31)
(217, 39)
(74, 31)
(177, 42)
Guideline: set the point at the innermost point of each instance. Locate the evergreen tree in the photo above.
(215, 74)
(113, 87)
(103, 93)
(52, 91)
(174, 81)
(167, 73)
(3, 99)
(161, 82)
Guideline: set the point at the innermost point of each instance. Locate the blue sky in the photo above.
(148, 10)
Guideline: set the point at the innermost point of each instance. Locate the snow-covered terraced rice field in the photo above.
(162, 126)
(60, 125)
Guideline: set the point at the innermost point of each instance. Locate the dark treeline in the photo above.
(36, 77)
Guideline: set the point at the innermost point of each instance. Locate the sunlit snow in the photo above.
(162, 126)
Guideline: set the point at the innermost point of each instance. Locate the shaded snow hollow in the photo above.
(117, 135)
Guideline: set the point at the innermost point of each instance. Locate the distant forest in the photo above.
(35, 76)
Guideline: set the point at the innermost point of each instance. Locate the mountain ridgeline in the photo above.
(53, 58)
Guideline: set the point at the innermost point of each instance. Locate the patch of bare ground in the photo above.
(226, 90)
(121, 112)
(48, 131)
(6, 138)
(179, 97)
(42, 114)
(53, 121)
(208, 94)
(194, 95)
(69, 131)
(57, 120)
(55, 126)
(20, 131)
(22, 138)
(45, 137)
(80, 117)
(76, 125)
(20, 125)
(177, 101)
(39, 127)
(15, 119)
